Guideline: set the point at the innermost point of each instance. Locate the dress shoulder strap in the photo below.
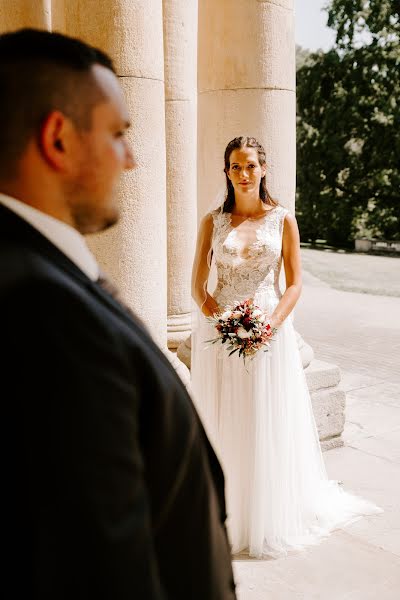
(220, 222)
(280, 217)
(217, 215)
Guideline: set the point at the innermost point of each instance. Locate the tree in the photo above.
(302, 57)
(348, 107)
(376, 20)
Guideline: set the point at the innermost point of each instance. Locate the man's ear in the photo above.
(55, 140)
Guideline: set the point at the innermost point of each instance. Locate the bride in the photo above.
(259, 417)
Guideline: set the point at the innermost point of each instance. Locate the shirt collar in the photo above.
(63, 236)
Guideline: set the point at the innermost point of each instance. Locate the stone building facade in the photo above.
(196, 73)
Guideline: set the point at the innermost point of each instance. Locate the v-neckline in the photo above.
(232, 230)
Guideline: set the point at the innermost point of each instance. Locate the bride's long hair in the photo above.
(237, 144)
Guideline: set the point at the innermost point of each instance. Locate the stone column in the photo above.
(58, 14)
(135, 251)
(180, 68)
(16, 14)
(247, 87)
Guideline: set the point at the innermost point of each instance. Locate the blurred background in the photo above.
(348, 112)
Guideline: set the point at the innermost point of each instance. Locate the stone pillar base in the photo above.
(184, 351)
(328, 402)
(179, 367)
(178, 329)
(306, 352)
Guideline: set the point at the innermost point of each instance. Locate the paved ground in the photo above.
(361, 333)
(353, 272)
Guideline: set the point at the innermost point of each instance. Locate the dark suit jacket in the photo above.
(112, 489)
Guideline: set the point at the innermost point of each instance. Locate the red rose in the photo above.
(247, 323)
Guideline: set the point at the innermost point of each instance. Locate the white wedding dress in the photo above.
(259, 416)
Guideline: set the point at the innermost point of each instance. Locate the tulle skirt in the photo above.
(259, 419)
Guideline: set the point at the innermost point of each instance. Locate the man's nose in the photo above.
(130, 162)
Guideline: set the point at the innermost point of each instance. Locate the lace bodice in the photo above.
(252, 272)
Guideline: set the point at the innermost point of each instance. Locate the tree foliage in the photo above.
(377, 20)
(348, 100)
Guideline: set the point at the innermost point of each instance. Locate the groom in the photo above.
(111, 487)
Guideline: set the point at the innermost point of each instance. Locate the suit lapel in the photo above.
(114, 305)
(17, 229)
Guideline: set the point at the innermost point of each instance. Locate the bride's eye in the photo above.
(252, 166)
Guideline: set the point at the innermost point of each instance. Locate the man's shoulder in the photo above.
(21, 265)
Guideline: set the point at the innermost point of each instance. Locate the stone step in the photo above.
(320, 374)
(328, 402)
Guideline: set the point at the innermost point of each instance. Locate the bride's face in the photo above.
(245, 171)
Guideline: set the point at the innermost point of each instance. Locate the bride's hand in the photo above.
(274, 327)
(210, 307)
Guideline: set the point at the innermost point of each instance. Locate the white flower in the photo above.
(226, 315)
(257, 313)
(262, 318)
(243, 334)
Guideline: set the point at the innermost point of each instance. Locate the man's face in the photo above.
(102, 154)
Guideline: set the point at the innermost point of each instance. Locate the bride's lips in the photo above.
(245, 183)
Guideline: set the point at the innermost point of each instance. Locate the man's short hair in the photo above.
(40, 72)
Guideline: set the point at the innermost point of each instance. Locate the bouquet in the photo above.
(244, 328)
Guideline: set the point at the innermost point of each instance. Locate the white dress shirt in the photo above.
(66, 238)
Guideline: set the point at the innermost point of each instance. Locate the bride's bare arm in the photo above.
(292, 264)
(201, 268)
